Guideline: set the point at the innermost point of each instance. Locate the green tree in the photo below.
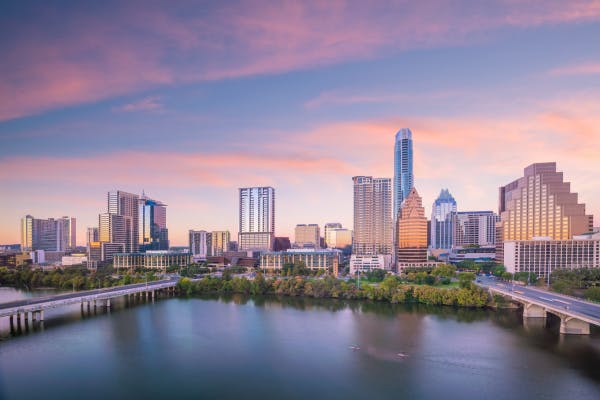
(465, 279)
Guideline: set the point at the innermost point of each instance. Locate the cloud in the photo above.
(54, 58)
(589, 68)
(151, 103)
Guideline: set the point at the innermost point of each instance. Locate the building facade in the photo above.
(411, 231)
(474, 228)
(366, 263)
(126, 205)
(256, 218)
(152, 229)
(219, 243)
(540, 204)
(307, 236)
(441, 220)
(48, 234)
(373, 229)
(329, 227)
(541, 256)
(403, 168)
(160, 260)
(326, 259)
(198, 244)
(340, 238)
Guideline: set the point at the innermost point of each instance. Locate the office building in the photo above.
(441, 220)
(126, 205)
(313, 259)
(115, 228)
(474, 228)
(307, 236)
(256, 218)
(92, 235)
(373, 228)
(103, 252)
(539, 204)
(152, 229)
(152, 259)
(340, 238)
(475, 254)
(48, 234)
(542, 255)
(219, 243)
(198, 244)
(411, 247)
(329, 227)
(403, 168)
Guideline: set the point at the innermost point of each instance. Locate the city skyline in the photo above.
(304, 104)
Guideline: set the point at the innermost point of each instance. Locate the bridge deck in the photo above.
(553, 302)
(42, 303)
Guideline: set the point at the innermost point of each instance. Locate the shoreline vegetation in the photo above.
(391, 290)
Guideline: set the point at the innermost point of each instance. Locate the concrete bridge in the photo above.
(575, 315)
(22, 310)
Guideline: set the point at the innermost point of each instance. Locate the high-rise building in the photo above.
(307, 236)
(152, 229)
(92, 235)
(198, 244)
(441, 220)
(69, 233)
(474, 228)
(403, 167)
(257, 218)
(539, 204)
(115, 228)
(329, 227)
(48, 234)
(126, 205)
(219, 243)
(411, 231)
(373, 227)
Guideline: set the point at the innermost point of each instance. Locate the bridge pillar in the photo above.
(573, 326)
(107, 303)
(34, 315)
(41, 315)
(531, 310)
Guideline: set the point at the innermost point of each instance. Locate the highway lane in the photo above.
(64, 296)
(565, 303)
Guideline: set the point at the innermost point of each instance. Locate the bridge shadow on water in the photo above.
(62, 316)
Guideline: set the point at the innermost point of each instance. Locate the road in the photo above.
(566, 304)
(66, 296)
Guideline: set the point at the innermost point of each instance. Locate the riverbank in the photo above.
(391, 290)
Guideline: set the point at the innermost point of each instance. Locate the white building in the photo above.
(366, 263)
(74, 259)
(257, 218)
(373, 228)
(543, 255)
(199, 244)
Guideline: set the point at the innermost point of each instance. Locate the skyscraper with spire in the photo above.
(403, 168)
(441, 220)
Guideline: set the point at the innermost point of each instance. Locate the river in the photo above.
(241, 348)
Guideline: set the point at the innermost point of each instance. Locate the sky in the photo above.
(190, 100)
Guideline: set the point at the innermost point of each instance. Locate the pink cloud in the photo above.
(590, 68)
(131, 48)
(151, 103)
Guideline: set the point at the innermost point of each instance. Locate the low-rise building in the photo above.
(477, 254)
(543, 255)
(151, 260)
(74, 259)
(312, 259)
(367, 263)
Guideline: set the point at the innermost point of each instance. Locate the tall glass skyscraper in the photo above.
(153, 225)
(403, 167)
(441, 220)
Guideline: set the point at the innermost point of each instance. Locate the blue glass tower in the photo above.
(441, 221)
(403, 167)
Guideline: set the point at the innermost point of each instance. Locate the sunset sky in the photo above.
(190, 100)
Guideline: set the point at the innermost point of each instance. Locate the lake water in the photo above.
(239, 348)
